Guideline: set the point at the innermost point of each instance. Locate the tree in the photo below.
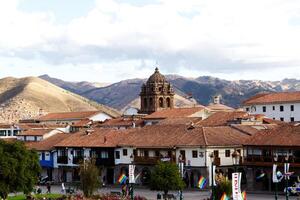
(19, 168)
(166, 177)
(223, 186)
(89, 177)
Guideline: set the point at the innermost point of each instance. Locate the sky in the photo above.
(112, 40)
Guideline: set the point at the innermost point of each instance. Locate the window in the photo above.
(117, 154)
(168, 102)
(227, 153)
(124, 152)
(145, 102)
(281, 109)
(47, 156)
(273, 107)
(195, 154)
(281, 119)
(292, 107)
(161, 102)
(157, 153)
(292, 119)
(182, 153)
(216, 153)
(247, 109)
(273, 118)
(104, 154)
(150, 102)
(264, 108)
(134, 152)
(146, 153)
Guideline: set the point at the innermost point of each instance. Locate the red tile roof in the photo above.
(68, 115)
(180, 120)
(222, 118)
(268, 98)
(82, 123)
(120, 122)
(35, 132)
(175, 112)
(168, 136)
(47, 144)
(98, 137)
(284, 135)
(219, 107)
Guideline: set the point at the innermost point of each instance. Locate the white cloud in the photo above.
(228, 38)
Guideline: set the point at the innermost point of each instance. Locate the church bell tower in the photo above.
(156, 94)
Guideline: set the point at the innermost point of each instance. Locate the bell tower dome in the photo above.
(156, 94)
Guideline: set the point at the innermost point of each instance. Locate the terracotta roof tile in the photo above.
(82, 123)
(168, 136)
(174, 112)
(120, 122)
(282, 135)
(222, 118)
(35, 132)
(47, 144)
(98, 137)
(180, 120)
(219, 107)
(279, 97)
(69, 115)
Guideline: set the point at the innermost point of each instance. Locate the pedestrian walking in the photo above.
(48, 188)
(63, 189)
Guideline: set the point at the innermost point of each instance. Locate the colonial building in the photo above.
(156, 94)
(280, 144)
(284, 106)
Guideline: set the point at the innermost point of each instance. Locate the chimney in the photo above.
(89, 131)
(191, 126)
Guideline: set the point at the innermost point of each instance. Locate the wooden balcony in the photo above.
(62, 159)
(77, 160)
(142, 160)
(258, 160)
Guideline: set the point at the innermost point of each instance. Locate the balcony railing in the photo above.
(62, 159)
(77, 159)
(152, 160)
(268, 160)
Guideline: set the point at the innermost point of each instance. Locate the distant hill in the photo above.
(31, 96)
(124, 93)
(76, 87)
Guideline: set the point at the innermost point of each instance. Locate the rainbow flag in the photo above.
(202, 182)
(244, 196)
(224, 197)
(122, 179)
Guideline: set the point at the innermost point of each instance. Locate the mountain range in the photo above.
(189, 90)
(31, 96)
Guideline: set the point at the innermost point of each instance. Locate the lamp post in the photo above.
(212, 157)
(275, 158)
(236, 159)
(286, 169)
(181, 166)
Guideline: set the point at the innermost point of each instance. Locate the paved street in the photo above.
(188, 195)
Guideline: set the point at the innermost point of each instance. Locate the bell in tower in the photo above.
(156, 94)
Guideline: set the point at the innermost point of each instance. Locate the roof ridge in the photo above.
(205, 139)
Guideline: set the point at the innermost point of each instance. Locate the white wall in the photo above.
(124, 159)
(100, 117)
(195, 162)
(277, 114)
(224, 161)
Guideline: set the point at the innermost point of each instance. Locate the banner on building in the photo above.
(236, 186)
(212, 176)
(274, 176)
(131, 174)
